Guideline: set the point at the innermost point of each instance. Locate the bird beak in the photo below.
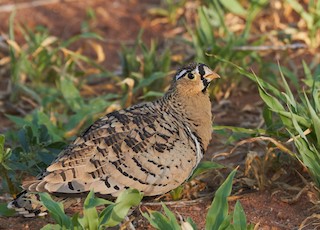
(210, 75)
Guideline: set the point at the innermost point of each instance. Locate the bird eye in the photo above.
(190, 76)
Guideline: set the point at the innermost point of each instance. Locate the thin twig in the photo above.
(179, 203)
(305, 225)
(266, 48)
(255, 139)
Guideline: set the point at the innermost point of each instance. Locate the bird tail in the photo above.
(28, 204)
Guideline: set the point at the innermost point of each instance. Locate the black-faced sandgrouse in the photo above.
(152, 147)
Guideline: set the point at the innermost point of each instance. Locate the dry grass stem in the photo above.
(256, 139)
(312, 225)
(30, 4)
(306, 132)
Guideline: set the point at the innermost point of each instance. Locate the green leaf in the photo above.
(105, 215)
(171, 216)
(218, 210)
(226, 223)
(52, 227)
(70, 93)
(92, 201)
(5, 211)
(160, 221)
(239, 217)
(152, 94)
(75, 222)
(193, 224)
(56, 210)
(234, 6)
(176, 193)
(126, 199)
(148, 81)
(204, 166)
(17, 120)
(40, 118)
(90, 218)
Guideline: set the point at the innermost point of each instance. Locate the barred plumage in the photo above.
(153, 147)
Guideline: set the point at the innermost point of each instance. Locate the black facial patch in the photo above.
(201, 70)
(205, 84)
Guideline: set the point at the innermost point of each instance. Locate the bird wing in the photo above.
(142, 147)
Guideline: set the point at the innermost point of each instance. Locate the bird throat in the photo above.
(206, 83)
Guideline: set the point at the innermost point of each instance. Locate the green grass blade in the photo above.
(271, 101)
(303, 13)
(251, 76)
(148, 81)
(300, 119)
(310, 158)
(240, 130)
(218, 210)
(205, 29)
(288, 94)
(296, 126)
(315, 119)
(2, 151)
(308, 75)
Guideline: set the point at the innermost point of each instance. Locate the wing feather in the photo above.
(138, 147)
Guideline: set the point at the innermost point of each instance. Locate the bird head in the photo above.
(194, 78)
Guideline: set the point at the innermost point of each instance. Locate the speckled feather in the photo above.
(153, 147)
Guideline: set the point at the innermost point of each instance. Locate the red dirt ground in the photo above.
(119, 22)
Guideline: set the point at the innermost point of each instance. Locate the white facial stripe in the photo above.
(201, 70)
(197, 69)
(183, 72)
(207, 70)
